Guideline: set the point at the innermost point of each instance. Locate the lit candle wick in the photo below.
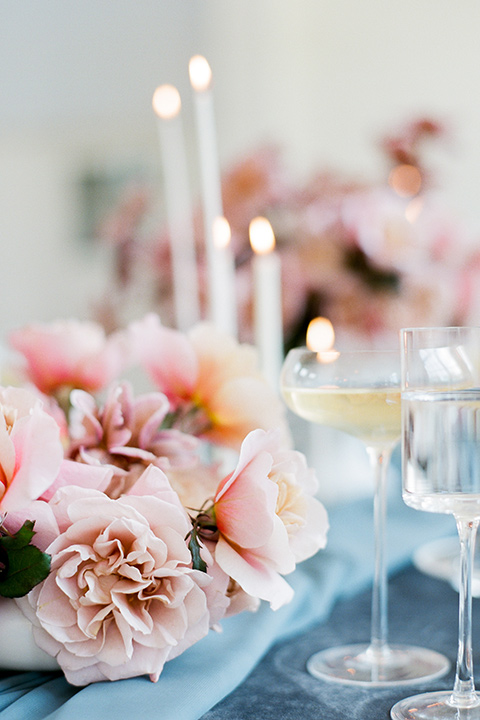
(166, 102)
(262, 238)
(200, 73)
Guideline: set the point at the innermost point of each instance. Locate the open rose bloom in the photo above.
(155, 533)
(122, 597)
(70, 354)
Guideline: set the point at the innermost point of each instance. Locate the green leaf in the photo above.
(194, 546)
(26, 565)
(20, 539)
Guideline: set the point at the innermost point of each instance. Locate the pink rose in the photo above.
(213, 383)
(95, 477)
(41, 512)
(267, 518)
(121, 598)
(30, 449)
(70, 354)
(126, 433)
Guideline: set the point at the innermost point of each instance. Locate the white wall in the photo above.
(76, 86)
(325, 78)
(329, 77)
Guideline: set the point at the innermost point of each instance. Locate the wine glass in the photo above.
(359, 393)
(441, 473)
(442, 358)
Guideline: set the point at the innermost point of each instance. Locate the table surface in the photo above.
(423, 611)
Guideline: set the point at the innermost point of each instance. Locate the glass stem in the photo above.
(464, 689)
(379, 460)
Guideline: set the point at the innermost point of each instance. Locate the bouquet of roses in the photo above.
(132, 524)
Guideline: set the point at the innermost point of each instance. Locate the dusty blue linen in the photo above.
(423, 612)
(193, 683)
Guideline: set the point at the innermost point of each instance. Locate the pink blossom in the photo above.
(403, 146)
(46, 525)
(259, 181)
(30, 448)
(96, 477)
(375, 219)
(70, 354)
(126, 433)
(212, 382)
(267, 518)
(121, 598)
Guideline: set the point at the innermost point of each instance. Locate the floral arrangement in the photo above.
(370, 256)
(134, 523)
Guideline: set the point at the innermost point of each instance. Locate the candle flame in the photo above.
(222, 233)
(320, 339)
(320, 334)
(262, 238)
(200, 73)
(166, 102)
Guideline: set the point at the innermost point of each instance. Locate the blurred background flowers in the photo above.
(305, 94)
(370, 256)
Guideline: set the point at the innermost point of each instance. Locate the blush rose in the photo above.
(122, 597)
(267, 517)
(31, 451)
(70, 354)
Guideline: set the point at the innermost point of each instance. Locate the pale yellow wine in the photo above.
(371, 414)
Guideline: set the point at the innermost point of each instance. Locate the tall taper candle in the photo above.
(221, 298)
(167, 104)
(267, 299)
(226, 311)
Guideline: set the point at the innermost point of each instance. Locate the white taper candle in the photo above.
(167, 104)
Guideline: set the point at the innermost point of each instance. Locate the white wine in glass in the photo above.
(359, 393)
(369, 414)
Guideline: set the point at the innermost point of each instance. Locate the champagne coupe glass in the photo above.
(359, 393)
(441, 473)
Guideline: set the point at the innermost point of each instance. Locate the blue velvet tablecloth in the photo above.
(424, 612)
(200, 683)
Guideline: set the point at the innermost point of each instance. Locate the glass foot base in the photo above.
(362, 665)
(434, 706)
